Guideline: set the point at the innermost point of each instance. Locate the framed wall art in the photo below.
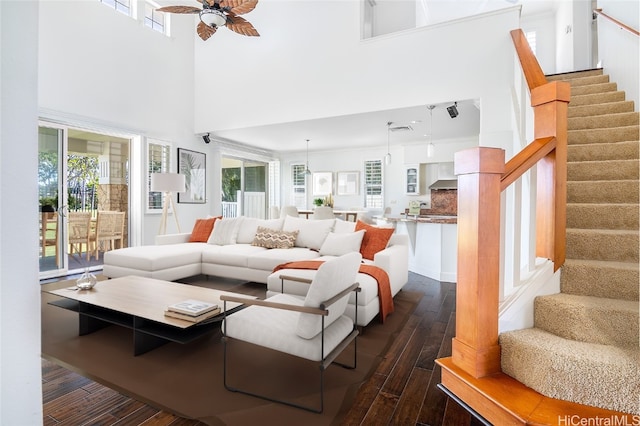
(348, 183)
(322, 183)
(193, 166)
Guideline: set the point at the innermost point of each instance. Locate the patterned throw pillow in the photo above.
(272, 238)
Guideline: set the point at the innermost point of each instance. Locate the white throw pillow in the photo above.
(312, 232)
(225, 231)
(249, 227)
(343, 226)
(337, 244)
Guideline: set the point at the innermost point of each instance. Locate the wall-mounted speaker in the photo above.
(206, 138)
(453, 110)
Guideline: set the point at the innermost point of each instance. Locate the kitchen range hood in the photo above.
(444, 184)
(445, 177)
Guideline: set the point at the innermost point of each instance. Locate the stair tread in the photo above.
(631, 266)
(604, 231)
(609, 162)
(595, 302)
(573, 348)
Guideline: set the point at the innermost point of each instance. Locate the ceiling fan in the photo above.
(219, 13)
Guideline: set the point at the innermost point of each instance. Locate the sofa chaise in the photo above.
(249, 249)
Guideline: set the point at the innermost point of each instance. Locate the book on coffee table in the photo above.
(192, 307)
(193, 318)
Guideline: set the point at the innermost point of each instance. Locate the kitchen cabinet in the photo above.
(412, 179)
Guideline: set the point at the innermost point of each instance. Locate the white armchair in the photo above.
(315, 328)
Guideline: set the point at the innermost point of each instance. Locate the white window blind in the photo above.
(158, 161)
(274, 183)
(298, 185)
(373, 184)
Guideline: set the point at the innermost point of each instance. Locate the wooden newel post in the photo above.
(475, 346)
(550, 103)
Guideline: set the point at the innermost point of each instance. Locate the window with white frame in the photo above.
(158, 161)
(373, 184)
(154, 19)
(274, 183)
(123, 6)
(298, 186)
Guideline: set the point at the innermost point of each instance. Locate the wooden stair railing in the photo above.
(482, 176)
(615, 21)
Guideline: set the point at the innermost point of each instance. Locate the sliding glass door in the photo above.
(52, 196)
(80, 174)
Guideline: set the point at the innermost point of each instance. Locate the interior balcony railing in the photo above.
(496, 245)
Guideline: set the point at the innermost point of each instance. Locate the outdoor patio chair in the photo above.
(109, 230)
(315, 328)
(79, 232)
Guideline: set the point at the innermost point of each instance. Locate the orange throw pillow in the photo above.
(201, 230)
(375, 239)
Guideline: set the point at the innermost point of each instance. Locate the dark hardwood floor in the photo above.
(402, 391)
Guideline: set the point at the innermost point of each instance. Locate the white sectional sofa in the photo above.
(229, 253)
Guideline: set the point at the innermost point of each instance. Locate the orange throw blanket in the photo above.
(379, 274)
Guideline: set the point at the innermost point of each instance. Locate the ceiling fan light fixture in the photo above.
(213, 18)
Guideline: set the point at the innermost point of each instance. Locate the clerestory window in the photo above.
(122, 6)
(155, 20)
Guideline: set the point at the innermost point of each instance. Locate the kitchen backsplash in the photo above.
(444, 202)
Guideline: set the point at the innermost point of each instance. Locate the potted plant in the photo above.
(48, 204)
(318, 202)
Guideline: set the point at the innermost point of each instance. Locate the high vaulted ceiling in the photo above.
(369, 128)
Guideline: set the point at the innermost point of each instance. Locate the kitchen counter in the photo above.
(434, 218)
(433, 243)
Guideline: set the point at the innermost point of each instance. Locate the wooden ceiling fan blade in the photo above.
(241, 26)
(205, 31)
(239, 7)
(180, 9)
(207, 2)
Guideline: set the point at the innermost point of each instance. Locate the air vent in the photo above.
(400, 128)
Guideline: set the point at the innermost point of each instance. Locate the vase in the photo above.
(86, 281)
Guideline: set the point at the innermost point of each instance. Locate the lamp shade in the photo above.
(167, 182)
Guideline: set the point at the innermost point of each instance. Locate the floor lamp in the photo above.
(167, 183)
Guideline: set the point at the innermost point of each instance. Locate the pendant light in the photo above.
(306, 170)
(430, 147)
(387, 157)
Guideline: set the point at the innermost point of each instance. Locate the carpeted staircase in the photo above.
(584, 346)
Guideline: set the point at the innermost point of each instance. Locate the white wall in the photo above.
(107, 71)
(20, 363)
(300, 70)
(564, 49)
(618, 50)
(544, 26)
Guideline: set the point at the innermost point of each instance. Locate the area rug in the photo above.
(188, 379)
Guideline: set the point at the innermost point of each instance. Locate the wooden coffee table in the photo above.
(138, 303)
